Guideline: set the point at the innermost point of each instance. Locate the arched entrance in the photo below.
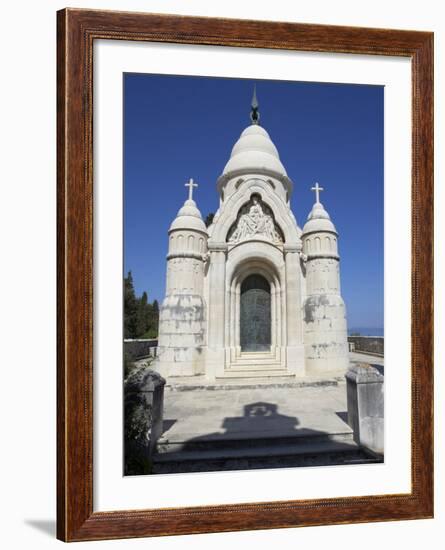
(255, 314)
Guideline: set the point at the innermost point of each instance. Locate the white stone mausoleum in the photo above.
(253, 294)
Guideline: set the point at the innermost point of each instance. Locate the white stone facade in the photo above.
(252, 295)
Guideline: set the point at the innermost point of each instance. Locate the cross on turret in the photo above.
(191, 184)
(317, 190)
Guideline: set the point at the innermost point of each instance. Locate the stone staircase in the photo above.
(257, 365)
(260, 422)
(260, 449)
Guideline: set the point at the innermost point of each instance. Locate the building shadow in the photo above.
(262, 421)
(343, 415)
(167, 424)
(260, 438)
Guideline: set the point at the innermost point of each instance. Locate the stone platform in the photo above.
(239, 424)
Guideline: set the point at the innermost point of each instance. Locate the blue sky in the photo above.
(177, 127)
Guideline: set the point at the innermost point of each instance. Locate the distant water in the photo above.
(365, 331)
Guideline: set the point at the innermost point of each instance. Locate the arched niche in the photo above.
(231, 207)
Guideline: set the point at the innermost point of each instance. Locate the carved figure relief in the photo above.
(255, 219)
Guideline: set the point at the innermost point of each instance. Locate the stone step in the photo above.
(262, 450)
(248, 442)
(259, 355)
(257, 373)
(309, 459)
(266, 452)
(266, 365)
(266, 361)
(260, 382)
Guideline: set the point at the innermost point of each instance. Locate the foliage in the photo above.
(143, 396)
(141, 318)
(137, 424)
(130, 307)
(128, 365)
(209, 219)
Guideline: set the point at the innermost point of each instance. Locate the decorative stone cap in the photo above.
(254, 149)
(318, 220)
(364, 373)
(189, 218)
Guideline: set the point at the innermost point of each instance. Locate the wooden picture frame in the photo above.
(77, 31)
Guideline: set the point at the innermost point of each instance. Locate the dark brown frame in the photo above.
(77, 30)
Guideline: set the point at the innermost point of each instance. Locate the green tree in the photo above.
(209, 219)
(152, 317)
(141, 318)
(142, 315)
(130, 308)
(155, 318)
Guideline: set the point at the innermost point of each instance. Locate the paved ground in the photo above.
(245, 410)
(252, 413)
(260, 423)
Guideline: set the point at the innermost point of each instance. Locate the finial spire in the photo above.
(254, 113)
(191, 184)
(317, 190)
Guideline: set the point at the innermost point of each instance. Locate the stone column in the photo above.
(231, 320)
(295, 349)
(273, 316)
(217, 292)
(237, 318)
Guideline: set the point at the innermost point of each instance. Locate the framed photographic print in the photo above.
(244, 275)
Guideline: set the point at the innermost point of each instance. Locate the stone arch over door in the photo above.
(265, 260)
(227, 216)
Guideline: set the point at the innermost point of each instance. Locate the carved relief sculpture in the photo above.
(255, 219)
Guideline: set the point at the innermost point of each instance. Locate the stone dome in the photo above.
(254, 150)
(189, 218)
(318, 220)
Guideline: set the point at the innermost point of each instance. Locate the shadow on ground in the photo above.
(343, 415)
(260, 438)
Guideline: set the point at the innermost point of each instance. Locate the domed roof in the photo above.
(254, 150)
(189, 218)
(318, 220)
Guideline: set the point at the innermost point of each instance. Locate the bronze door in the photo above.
(255, 316)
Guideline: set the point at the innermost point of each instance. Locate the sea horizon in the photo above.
(366, 331)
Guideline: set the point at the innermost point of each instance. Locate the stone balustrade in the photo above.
(374, 345)
(140, 348)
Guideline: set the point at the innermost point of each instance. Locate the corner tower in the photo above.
(324, 314)
(182, 319)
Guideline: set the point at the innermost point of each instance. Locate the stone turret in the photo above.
(182, 319)
(325, 329)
